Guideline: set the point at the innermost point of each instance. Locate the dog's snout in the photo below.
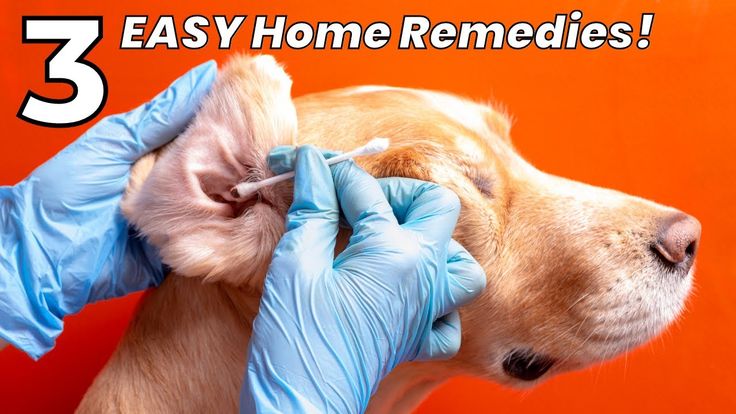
(678, 238)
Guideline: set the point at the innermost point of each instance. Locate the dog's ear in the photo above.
(444, 165)
(178, 198)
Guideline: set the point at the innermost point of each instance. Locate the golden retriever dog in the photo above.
(576, 274)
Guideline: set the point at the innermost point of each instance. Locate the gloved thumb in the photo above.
(312, 220)
(127, 137)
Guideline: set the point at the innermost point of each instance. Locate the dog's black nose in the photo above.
(678, 238)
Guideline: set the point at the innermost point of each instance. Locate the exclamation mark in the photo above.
(646, 29)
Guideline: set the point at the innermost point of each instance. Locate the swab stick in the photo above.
(245, 189)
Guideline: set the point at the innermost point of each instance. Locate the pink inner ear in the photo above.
(215, 186)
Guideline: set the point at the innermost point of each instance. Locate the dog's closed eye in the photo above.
(482, 180)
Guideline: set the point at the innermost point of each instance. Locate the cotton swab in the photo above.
(246, 189)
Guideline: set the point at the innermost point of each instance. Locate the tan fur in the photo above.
(570, 271)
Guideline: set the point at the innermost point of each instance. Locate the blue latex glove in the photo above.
(64, 240)
(330, 328)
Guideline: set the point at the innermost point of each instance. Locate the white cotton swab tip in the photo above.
(246, 189)
(374, 146)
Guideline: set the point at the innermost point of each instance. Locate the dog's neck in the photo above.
(408, 385)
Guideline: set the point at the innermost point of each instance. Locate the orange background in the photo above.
(658, 123)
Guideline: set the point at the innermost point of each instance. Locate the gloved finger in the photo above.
(127, 137)
(443, 341)
(362, 200)
(282, 158)
(422, 206)
(312, 220)
(463, 281)
(401, 193)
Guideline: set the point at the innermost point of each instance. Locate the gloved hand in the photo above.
(64, 240)
(329, 329)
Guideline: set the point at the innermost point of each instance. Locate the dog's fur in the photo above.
(570, 272)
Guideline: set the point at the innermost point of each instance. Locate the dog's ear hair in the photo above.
(499, 122)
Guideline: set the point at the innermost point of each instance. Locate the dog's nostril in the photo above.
(678, 238)
(690, 251)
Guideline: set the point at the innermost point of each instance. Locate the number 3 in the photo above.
(76, 36)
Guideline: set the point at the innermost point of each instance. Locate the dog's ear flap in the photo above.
(424, 162)
(400, 162)
(175, 198)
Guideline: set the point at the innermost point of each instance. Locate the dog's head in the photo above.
(576, 274)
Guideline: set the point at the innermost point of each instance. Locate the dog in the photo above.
(575, 274)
